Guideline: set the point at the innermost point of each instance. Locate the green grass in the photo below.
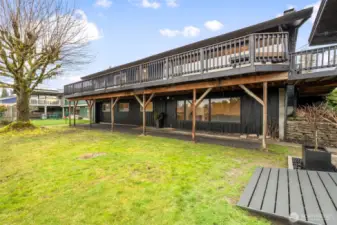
(52, 122)
(140, 180)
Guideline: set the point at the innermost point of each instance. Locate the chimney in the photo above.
(289, 11)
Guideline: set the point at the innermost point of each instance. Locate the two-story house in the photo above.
(243, 82)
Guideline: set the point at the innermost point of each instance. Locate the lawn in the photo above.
(140, 180)
(52, 122)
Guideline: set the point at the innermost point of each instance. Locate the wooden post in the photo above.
(113, 103)
(75, 106)
(194, 113)
(89, 103)
(265, 114)
(144, 115)
(69, 108)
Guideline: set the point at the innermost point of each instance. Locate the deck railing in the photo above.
(314, 60)
(43, 102)
(241, 52)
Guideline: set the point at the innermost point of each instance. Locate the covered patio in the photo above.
(231, 141)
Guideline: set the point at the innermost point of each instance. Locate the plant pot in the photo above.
(319, 160)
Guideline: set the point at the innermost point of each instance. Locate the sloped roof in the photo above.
(324, 30)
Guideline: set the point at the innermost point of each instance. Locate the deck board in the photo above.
(258, 196)
(296, 203)
(249, 190)
(309, 196)
(310, 202)
(282, 202)
(334, 177)
(328, 210)
(330, 186)
(269, 199)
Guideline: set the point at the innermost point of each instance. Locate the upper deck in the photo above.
(264, 47)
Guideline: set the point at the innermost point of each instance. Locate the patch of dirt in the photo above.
(91, 155)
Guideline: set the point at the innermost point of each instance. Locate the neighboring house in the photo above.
(46, 102)
(237, 82)
(81, 109)
(42, 101)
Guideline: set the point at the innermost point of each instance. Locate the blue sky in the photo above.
(127, 30)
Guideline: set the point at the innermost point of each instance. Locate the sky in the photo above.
(122, 31)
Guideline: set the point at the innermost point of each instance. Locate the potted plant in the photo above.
(315, 157)
(156, 119)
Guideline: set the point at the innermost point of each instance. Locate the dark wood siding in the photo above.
(251, 113)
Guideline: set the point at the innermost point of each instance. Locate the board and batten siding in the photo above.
(251, 113)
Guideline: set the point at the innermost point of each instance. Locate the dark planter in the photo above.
(316, 160)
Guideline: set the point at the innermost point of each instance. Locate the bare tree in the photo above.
(314, 114)
(39, 39)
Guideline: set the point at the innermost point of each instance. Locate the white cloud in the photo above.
(148, 4)
(91, 31)
(103, 3)
(213, 25)
(172, 3)
(316, 7)
(289, 6)
(169, 33)
(188, 31)
(191, 31)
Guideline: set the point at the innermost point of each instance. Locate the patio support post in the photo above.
(265, 114)
(75, 106)
(90, 104)
(264, 105)
(69, 108)
(113, 103)
(143, 104)
(144, 115)
(193, 113)
(195, 104)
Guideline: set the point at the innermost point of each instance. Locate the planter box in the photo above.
(316, 160)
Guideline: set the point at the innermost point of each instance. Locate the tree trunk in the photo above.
(22, 106)
(316, 140)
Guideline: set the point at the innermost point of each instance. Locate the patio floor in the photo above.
(170, 133)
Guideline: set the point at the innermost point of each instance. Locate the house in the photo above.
(48, 102)
(245, 82)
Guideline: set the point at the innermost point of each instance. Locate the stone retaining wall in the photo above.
(300, 132)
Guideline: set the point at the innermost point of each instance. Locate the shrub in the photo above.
(5, 122)
(18, 126)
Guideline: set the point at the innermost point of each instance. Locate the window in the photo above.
(180, 110)
(149, 107)
(225, 110)
(123, 107)
(202, 111)
(106, 107)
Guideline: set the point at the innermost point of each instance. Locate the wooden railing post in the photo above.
(202, 57)
(166, 76)
(252, 40)
(140, 73)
